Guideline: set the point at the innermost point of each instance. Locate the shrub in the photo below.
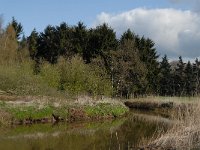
(76, 77)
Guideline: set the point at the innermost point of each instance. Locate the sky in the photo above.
(174, 25)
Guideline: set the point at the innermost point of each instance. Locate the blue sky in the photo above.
(172, 24)
(39, 13)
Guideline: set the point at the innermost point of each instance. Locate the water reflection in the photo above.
(120, 134)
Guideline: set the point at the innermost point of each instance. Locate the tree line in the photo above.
(131, 62)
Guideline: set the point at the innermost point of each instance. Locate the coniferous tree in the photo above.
(102, 40)
(189, 82)
(179, 77)
(197, 62)
(80, 41)
(17, 27)
(165, 78)
(128, 35)
(128, 71)
(65, 45)
(48, 45)
(149, 56)
(33, 44)
(195, 81)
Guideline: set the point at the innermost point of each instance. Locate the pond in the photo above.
(124, 133)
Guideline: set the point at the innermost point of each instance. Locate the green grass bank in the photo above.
(28, 110)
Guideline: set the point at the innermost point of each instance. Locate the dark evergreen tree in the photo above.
(189, 80)
(101, 41)
(179, 77)
(18, 27)
(195, 80)
(197, 76)
(149, 56)
(128, 35)
(65, 45)
(48, 44)
(23, 42)
(165, 78)
(80, 41)
(33, 44)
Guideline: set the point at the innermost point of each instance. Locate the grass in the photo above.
(39, 108)
(106, 109)
(184, 132)
(30, 112)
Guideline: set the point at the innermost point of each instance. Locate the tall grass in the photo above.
(185, 132)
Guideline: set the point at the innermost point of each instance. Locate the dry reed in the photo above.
(185, 133)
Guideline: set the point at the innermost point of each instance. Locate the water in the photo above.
(125, 133)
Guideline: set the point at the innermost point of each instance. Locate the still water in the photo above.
(124, 133)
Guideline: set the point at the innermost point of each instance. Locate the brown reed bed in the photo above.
(184, 134)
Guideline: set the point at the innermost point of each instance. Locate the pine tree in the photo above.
(179, 77)
(128, 35)
(65, 38)
(17, 27)
(33, 44)
(197, 77)
(101, 41)
(80, 41)
(195, 85)
(149, 56)
(165, 78)
(189, 81)
(48, 45)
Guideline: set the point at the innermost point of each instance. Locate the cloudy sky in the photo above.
(174, 25)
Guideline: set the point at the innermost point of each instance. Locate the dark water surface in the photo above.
(125, 133)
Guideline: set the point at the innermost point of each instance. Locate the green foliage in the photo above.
(30, 112)
(106, 109)
(128, 72)
(32, 44)
(61, 111)
(189, 79)
(78, 78)
(165, 78)
(17, 27)
(127, 35)
(8, 47)
(149, 56)
(19, 79)
(50, 74)
(179, 77)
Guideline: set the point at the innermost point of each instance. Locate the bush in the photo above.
(20, 80)
(77, 78)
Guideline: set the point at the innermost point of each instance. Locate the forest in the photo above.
(93, 61)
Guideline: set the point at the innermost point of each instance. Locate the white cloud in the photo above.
(195, 4)
(175, 32)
